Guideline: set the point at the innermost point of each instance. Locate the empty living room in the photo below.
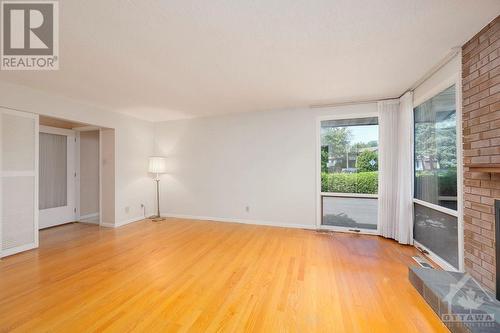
(250, 166)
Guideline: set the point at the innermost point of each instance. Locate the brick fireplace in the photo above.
(481, 150)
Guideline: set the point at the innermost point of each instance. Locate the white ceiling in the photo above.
(162, 60)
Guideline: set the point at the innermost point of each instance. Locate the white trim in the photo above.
(77, 176)
(89, 216)
(442, 86)
(100, 179)
(317, 148)
(242, 221)
(1, 186)
(436, 207)
(19, 249)
(371, 114)
(434, 257)
(122, 223)
(37, 181)
(88, 222)
(86, 128)
(350, 230)
(349, 195)
(57, 131)
(68, 213)
(352, 102)
(460, 169)
(132, 220)
(456, 80)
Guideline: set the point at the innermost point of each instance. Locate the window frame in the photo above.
(437, 89)
(320, 194)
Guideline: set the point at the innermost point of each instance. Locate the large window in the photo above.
(435, 175)
(436, 150)
(349, 173)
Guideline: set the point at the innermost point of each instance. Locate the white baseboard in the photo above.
(122, 223)
(242, 221)
(17, 249)
(96, 222)
(89, 218)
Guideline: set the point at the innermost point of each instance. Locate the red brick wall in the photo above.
(481, 143)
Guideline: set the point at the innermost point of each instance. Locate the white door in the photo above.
(57, 176)
(18, 181)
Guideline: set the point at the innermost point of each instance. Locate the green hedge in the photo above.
(363, 182)
(367, 182)
(446, 181)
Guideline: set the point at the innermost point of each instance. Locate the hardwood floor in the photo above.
(182, 275)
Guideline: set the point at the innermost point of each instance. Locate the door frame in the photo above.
(70, 134)
(78, 131)
(319, 194)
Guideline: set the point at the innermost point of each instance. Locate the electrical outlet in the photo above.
(247, 209)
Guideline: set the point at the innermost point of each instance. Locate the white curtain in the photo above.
(405, 170)
(388, 168)
(395, 214)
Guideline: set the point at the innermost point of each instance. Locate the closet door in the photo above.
(18, 181)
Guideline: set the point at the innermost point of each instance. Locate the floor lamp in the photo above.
(157, 165)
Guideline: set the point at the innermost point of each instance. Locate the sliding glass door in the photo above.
(349, 174)
(435, 177)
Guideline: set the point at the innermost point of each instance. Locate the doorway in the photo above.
(57, 176)
(69, 173)
(30, 140)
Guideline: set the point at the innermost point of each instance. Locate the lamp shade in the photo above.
(157, 164)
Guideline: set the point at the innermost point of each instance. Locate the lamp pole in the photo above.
(157, 196)
(157, 166)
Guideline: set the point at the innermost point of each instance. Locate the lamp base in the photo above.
(156, 218)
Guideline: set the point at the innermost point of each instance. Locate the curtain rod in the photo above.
(453, 52)
(367, 101)
(449, 57)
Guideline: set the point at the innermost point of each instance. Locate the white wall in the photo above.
(108, 174)
(89, 173)
(134, 142)
(264, 160)
(442, 79)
